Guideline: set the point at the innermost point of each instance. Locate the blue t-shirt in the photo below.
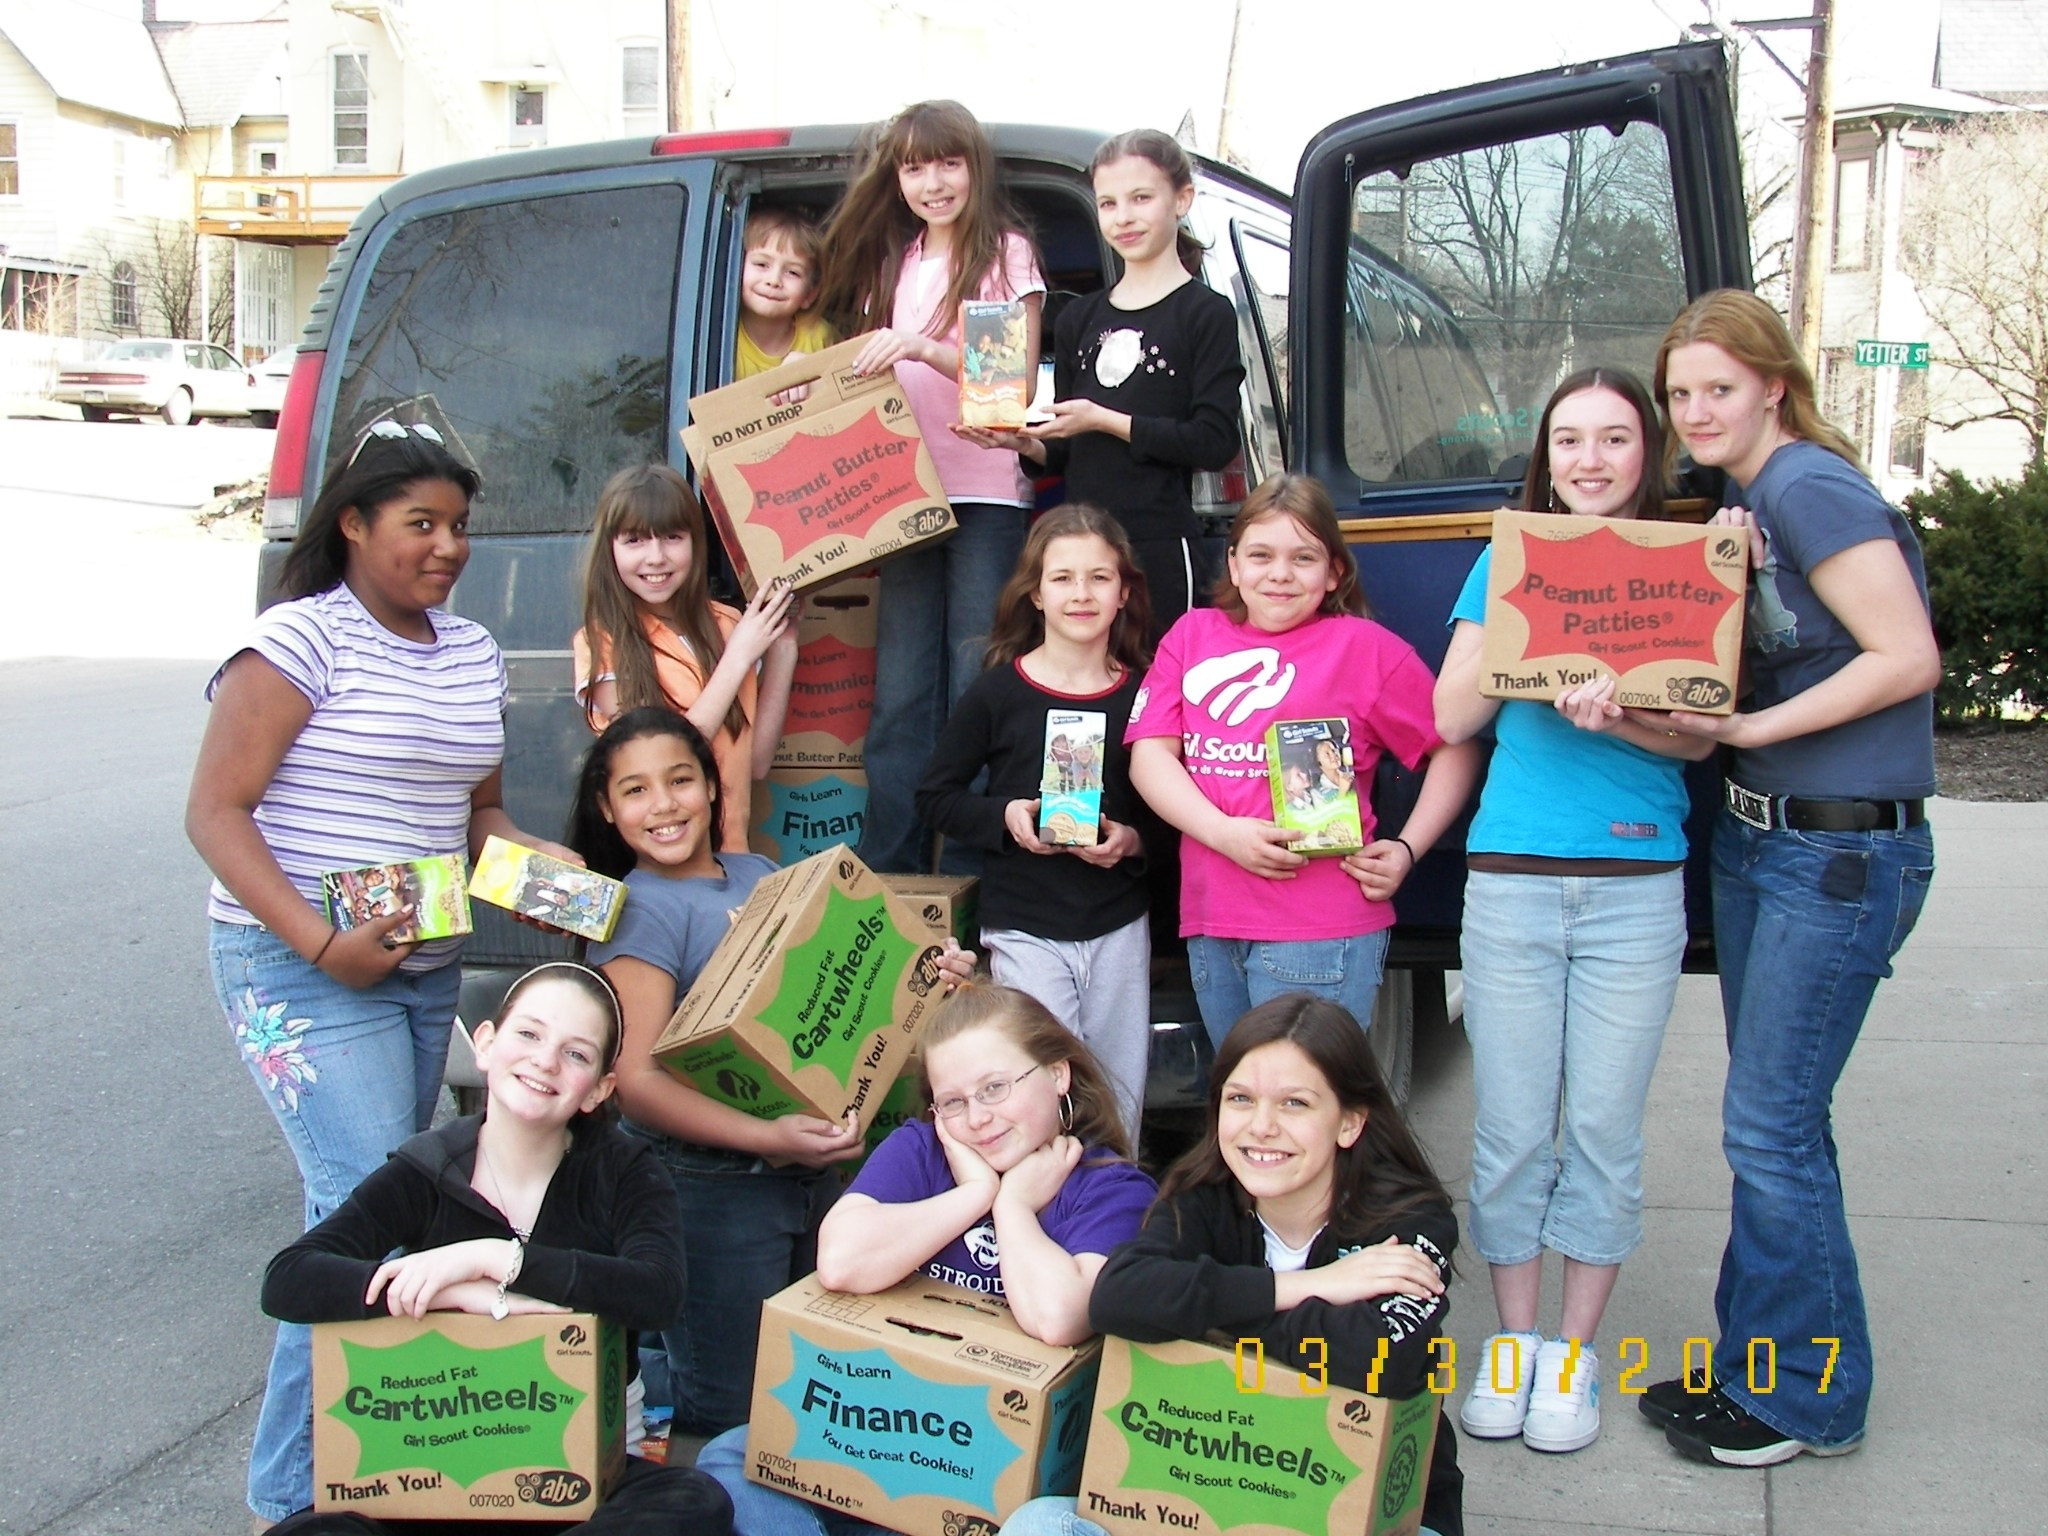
(674, 925)
(1557, 792)
(1101, 1204)
(1812, 504)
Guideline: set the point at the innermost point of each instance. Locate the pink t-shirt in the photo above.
(1218, 685)
(966, 473)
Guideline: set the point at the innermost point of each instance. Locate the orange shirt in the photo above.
(682, 681)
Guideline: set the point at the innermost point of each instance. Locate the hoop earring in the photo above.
(1066, 1111)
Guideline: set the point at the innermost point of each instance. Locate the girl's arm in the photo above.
(1258, 846)
(771, 698)
(1462, 712)
(256, 716)
(1869, 588)
(1207, 436)
(654, 1097)
(1047, 1286)
(1447, 783)
(640, 1284)
(945, 801)
(488, 818)
(867, 1245)
(1591, 707)
(1166, 1283)
(324, 1277)
(764, 622)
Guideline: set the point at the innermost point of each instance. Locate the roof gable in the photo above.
(223, 71)
(92, 58)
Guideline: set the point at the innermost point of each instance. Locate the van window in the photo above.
(1265, 259)
(539, 330)
(1494, 273)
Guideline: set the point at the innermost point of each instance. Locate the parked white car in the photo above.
(272, 375)
(180, 381)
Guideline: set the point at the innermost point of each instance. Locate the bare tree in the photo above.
(1975, 237)
(164, 261)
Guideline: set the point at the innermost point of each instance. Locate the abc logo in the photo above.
(1358, 1412)
(1726, 549)
(958, 1523)
(1015, 1400)
(573, 1335)
(925, 974)
(1697, 692)
(737, 1085)
(552, 1490)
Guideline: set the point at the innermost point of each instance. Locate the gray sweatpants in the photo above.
(1101, 989)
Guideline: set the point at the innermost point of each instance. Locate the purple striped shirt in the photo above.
(402, 732)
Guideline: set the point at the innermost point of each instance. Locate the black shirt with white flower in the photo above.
(1174, 368)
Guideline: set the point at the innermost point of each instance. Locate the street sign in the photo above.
(1891, 354)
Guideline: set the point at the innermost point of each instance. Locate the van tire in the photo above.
(177, 411)
(93, 412)
(1392, 1036)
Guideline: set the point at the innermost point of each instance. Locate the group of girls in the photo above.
(363, 723)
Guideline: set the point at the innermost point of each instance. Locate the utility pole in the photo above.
(1811, 245)
(1226, 149)
(680, 105)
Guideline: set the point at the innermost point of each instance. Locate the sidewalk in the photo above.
(1937, 1120)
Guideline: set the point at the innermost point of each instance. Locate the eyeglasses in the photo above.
(395, 431)
(989, 1094)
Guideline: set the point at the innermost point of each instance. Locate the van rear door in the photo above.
(1453, 258)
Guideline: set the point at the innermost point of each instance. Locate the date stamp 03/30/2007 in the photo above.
(1505, 1363)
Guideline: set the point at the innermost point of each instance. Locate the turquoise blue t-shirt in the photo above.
(1557, 792)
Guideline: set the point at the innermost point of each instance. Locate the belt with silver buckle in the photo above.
(1771, 813)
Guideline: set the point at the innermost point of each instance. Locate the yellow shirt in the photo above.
(812, 335)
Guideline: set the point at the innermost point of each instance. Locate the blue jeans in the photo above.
(758, 1510)
(749, 1231)
(1568, 984)
(1806, 924)
(1233, 976)
(932, 618)
(1049, 1516)
(349, 1075)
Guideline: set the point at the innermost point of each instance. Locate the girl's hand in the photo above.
(481, 1297)
(1021, 818)
(361, 957)
(1118, 841)
(1017, 442)
(970, 1168)
(1259, 846)
(956, 965)
(1742, 517)
(885, 348)
(1391, 1268)
(812, 1142)
(1071, 418)
(412, 1282)
(1379, 868)
(1590, 706)
(767, 616)
(1040, 1175)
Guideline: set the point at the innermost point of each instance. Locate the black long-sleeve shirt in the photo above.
(1199, 1264)
(1175, 369)
(608, 1238)
(1000, 723)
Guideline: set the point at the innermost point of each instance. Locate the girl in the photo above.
(1146, 374)
(1287, 640)
(647, 810)
(1574, 928)
(1066, 924)
(924, 227)
(362, 724)
(1019, 1185)
(652, 635)
(1822, 859)
(537, 1205)
(1308, 1216)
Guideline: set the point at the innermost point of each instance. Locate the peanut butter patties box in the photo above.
(923, 1408)
(461, 1417)
(1658, 605)
(832, 692)
(813, 998)
(815, 490)
(1190, 1437)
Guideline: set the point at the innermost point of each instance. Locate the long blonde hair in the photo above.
(1751, 332)
(654, 501)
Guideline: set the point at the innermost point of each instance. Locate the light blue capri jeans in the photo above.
(1569, 981)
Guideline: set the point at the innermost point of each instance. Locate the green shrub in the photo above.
(1987, 579)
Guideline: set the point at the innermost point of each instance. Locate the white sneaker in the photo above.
(1564, 1403)
(1499, 1400)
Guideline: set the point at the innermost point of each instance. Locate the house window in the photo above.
(121, 298)
(10, 160)
(1852, 213)
(529, 116)
(640, 88)
(351, 109)
(1909, 423)
(1845, 396)
(46, 302)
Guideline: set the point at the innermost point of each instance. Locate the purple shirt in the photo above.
(1100, 1205)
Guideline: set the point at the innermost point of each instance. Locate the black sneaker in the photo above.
(1677, 1401)
(1727, 1436)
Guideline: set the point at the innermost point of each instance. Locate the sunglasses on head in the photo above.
(396, 431)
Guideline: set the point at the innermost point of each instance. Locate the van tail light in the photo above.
(718, 143)
(294, 440)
